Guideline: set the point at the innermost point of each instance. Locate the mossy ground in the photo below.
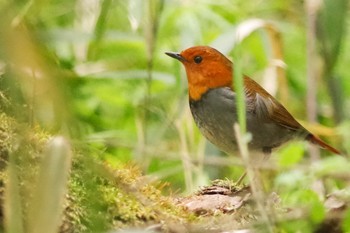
(100, 197)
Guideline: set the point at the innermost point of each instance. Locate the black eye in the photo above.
(197, 59)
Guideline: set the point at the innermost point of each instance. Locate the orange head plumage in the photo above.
(206, 68)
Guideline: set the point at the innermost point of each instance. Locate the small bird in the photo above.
(212, 101)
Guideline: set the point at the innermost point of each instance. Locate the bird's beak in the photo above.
(176, 56)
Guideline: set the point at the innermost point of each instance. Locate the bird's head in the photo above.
(206, 69)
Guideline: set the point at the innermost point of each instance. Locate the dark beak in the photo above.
(176, 56)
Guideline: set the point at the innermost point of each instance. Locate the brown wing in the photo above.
(270, 107)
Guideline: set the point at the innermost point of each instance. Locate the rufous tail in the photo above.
(317, 141)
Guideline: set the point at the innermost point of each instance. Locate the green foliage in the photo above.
(329, 35)
(346, 222)
(291, 154)
(312, 207)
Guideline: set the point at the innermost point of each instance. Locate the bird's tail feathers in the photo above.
(317, 141)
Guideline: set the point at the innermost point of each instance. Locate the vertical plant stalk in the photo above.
(312, 7)
(45, 210)
(253, 175)
(239, 89)
(336, 92)
(277, 56)
(199, 167)
(32, 102)
(13, 219)
(243, 139)
(99, 28)
(185, 158)
(153, 12)
(330, 38)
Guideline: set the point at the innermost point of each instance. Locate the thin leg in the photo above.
(267, 153)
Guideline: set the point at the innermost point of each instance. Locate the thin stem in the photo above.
(254, 178)
(311, 106)
(99, 29)
(153, 12)
(185, 158)
(239, 89)
(154, 9)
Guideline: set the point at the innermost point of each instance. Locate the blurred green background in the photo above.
(96, 71)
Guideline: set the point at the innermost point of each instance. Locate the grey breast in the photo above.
(215, 114)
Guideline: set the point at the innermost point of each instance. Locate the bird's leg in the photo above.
(267, 153)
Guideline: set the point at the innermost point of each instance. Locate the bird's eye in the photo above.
(198, 59)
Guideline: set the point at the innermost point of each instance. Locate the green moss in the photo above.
(100, 197)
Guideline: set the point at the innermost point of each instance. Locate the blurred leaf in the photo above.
(291, 154)
(330, 165)
(45, 211)
(128, 74)
(299, 225)
(345, 132)
(346, 221)
(100, 29)
(291, 179)
(331, 29)
(310, 200)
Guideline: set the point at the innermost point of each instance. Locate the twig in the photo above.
(185, 158)
(311, 102)
(253, 176)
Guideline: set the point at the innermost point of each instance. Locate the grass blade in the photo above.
(46, 208)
